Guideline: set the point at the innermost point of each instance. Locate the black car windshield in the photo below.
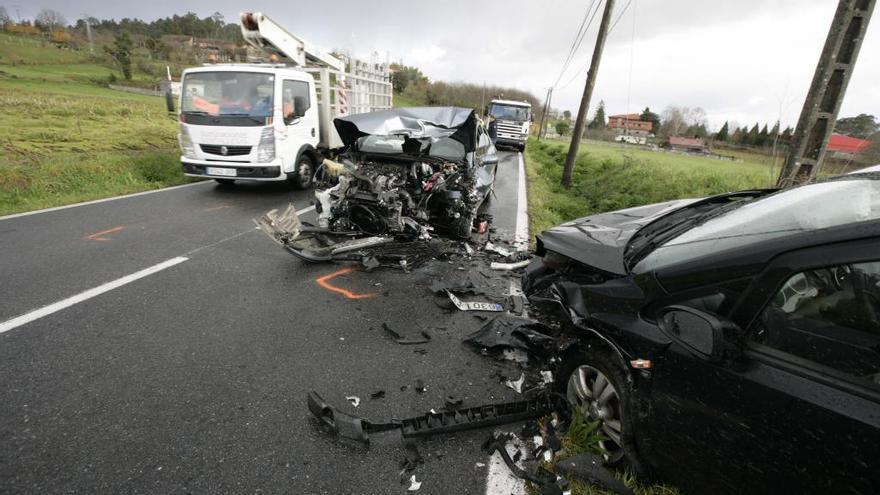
(510, 112)
(843, 201)
(221, 94)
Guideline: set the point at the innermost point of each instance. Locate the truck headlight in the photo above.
(266, 148)
(187, 148)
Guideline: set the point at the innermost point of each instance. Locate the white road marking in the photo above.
(521, 235)
(96, 201)
(499, 479)
(82, 296)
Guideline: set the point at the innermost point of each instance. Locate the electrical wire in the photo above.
(579, 38)
(622, 11)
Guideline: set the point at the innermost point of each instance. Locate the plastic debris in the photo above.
(379, 394)
(492, 248)
(509, 266)
(355, 400)
(547, 376)
(517, 384)
(413, 484)
(588, 467)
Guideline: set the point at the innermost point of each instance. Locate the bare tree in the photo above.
(4, 16)
(50, 20)
(676, 120)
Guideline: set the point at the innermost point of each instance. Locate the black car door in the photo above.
(798, 411)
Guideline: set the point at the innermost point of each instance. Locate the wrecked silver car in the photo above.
(402, 175)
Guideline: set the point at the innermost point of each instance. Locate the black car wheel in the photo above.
(225, 182)
(598, 387)
(305, 171)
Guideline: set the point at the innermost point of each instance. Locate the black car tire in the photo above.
(304, 173)
(603, 361)
(225, 182)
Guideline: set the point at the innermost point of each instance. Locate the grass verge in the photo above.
(610, 176)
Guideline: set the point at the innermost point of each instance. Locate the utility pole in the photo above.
(544, 111)
(588, 93)
(807, 150)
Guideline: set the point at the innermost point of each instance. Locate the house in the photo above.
(845, 147)
(630, 123)
(686, 145)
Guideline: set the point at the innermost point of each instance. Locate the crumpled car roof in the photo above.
(436, 122)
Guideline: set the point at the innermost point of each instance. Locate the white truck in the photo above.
(510, 122)
(270, 121)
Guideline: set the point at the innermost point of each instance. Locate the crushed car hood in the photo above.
(599, 240)
(436, 122)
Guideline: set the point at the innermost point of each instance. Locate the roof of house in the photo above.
(685, 141)
(627, 116)
(846, 144)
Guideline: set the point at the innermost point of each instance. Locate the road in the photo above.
(160, 344)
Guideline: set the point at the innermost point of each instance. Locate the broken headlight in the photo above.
(266, 148)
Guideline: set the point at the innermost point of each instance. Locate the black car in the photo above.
(729, 344)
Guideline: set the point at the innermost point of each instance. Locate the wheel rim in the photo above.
(590, 391)
(304, 173)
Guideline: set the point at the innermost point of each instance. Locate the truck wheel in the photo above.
(225, 182)
(302, 177)
(522, 147)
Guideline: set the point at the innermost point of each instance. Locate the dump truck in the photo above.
(272, 121)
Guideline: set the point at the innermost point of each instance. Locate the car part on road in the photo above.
(588, 468)
(474, 306)
(435, 423)
(508, 331)
(426, 337)
(509, 266)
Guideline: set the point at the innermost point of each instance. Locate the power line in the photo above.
(578, 39)
(622, 11)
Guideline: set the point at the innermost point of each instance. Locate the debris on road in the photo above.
(426, 337)
(474, 306)
(492, 248)
(517, 384)
(509, 266)
(413, 484)
(420, 386)
(430, 424)
(588, 468)
(513, 332)
(379, 394)
(355, 400)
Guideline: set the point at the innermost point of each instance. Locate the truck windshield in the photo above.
(510, 112)
(223, 94)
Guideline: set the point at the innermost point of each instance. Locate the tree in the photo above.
(121, 53)
(4, 16)
(404, 77)
(649, 116)
(763, 137)
(562, 127)
(566, 115)
(50, 20)
(860, 126)
(752, 136)
(723, 134)
(871, 156)
(786, 135)
(598, 122)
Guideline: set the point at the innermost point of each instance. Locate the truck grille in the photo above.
(215, 149)
(510, 127)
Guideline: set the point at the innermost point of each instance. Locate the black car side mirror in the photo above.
(700, 332)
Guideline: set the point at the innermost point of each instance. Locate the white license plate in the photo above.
(474, 306)
(225, 172)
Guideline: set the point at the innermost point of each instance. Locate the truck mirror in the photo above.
(169, 101)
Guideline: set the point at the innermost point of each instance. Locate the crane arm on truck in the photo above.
(260, 31)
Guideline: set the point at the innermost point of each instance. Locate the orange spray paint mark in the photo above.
(97, 235)
(325, 283)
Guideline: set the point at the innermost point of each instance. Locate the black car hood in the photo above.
(457, 123)
(599, 240)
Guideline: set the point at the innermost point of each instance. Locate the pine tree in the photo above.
(649, 116)
(598, 121)
(763, 136)
(752, 136)
(722, 135)
(786, 135)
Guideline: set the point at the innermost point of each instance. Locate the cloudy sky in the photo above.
(742, 60)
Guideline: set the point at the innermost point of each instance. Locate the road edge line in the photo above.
(85, 295)
(521, 235)
(102, 200)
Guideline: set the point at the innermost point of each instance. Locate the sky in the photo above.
(743, 61)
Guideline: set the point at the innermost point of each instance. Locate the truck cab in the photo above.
(511, 121)
(256, 122)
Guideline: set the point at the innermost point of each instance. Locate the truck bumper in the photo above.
(510, 140)
(243, 170)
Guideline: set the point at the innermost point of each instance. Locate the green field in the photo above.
(64, 137)
(611, 176)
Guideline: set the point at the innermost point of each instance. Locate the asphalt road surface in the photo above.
(160, 344)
